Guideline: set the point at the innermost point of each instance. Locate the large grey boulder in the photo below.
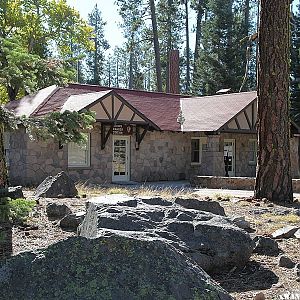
(57, 210)
(265, 246)
(213, 241)
(58, 186)
(72, 221)
(194, 203)
(113, 266)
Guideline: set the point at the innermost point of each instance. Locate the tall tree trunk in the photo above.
(156, 46)
(169, 45)
(130, 83)
(187, 34)
(12, 93)
(273, 179)
(3, 169)
(131, 59)
(246, 17)
(96, 69)
(200, 12)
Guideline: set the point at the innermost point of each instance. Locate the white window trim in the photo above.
(202, 140)
(251, 162)
(88, 163)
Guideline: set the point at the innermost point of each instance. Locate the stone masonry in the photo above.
(161, 156)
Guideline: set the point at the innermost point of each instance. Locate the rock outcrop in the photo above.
(57, 210)
(58, 186)
(113, 266)
(214, 242)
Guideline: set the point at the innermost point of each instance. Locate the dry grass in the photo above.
(95, 190)
(282, 219)
(219, 196)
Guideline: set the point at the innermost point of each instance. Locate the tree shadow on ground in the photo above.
(253, 276)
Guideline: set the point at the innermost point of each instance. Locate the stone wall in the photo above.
(242, 153)
(295, 157)
(161, 156)
(233, 183)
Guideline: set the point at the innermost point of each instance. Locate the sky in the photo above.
(110, 15)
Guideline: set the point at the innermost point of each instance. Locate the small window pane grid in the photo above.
(198, 145)
(195, 151)
(119, 157)
(79, 155)
(252, 151)
(228, 154)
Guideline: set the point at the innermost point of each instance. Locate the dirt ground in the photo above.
(261, 274)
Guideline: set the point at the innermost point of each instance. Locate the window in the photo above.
(198, 145)
(252, 152)
(79, 155)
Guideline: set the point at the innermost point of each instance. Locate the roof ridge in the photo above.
(45, 101)
(222, 95)
(78, 85)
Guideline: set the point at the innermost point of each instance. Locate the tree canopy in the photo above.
(37, 39)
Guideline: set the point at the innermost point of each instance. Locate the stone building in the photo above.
(141, 136)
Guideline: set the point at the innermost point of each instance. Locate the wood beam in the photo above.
(106, 111)
(252, 117)
(105, 135)
(140, 137)
(237, 123)
(248, 120)
(119, 111)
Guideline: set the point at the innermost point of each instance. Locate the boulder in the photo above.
(213, 241)
(285, 262)
(297, 234)
(297, 270)
(13, 192)
(265, 246)
(72, 221)
(59, 186)
(202, 205)
(112, 266)
(285, 232)
(57, 210)
(241, 222)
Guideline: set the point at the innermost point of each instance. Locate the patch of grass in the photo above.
(289, 218)
(219, 196)
(168, 192)
(20, 209)
(117, 190)
(16, 210)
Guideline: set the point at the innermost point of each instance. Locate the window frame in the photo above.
(202, 140)
(87, 154)
(250, 150)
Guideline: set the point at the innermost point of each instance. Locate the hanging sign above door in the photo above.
(123, 130)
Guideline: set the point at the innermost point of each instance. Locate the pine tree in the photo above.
(220, 63)
(295, 66)
(95, 58)
(170, 29)
(273, 178)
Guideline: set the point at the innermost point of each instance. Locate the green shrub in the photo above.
(16, 210)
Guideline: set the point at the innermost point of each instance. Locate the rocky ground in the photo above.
(261, 274)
